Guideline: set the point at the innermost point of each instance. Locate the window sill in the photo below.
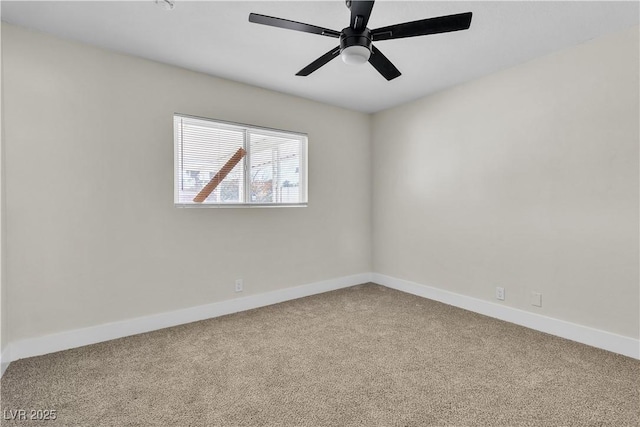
(240, 205)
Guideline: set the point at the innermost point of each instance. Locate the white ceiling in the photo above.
(216, 38)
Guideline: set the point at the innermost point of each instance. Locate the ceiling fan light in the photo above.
(166, 4)
(355, 55)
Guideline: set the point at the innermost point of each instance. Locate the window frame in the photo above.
(246, 130)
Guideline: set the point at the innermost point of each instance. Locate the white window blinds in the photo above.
(219, 163)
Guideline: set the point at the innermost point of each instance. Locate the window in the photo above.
(228, 164)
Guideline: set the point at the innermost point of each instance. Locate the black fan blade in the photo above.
(423, 27)
(360, 13)
(292, 25)
(383, 65)
(319, 62)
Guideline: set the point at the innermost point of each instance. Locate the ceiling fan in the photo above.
(355, 40)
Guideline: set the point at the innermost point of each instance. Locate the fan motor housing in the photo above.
(349, 37)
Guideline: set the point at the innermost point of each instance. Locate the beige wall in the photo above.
(3, 288)
(526, 179)
(94, 236)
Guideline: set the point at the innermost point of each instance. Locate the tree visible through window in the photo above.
(219, 163)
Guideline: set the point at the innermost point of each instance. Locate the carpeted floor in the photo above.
(366, 355)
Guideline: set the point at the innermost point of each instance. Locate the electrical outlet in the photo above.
(536, 299)
(239, 285)
(500, 293)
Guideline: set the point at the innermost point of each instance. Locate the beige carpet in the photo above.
(365, 356)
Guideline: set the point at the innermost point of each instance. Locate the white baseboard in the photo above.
(91, 335)
(5, 358)
(583, 334)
